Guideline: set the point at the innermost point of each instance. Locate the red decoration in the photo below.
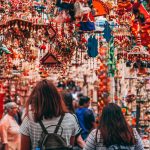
(49, 59)
(43, 47)
(103, 91)
(1, 104)
(138, 52)
(100, 8)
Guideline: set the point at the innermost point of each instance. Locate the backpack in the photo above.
(53, 141)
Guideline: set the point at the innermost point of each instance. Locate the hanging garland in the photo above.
(111, 59)
(104, 80)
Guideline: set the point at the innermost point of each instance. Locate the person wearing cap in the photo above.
(9, 128)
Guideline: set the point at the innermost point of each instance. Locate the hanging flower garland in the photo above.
(104, 80)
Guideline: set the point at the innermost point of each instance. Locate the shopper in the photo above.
(18, 114)
(68, 99)
(47, 105)
(85, 116)
(113, 132)
(9, 128)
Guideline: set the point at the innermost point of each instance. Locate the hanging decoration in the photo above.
(123, 6)
(122, 41)
(100, 8)
(138, 52)
(139, 56)
(107, 31)
(87, 22)
(141, 22)
(92, 45)
(111, 59)
(104, 81)
(30, 28)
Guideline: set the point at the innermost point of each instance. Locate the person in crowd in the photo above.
(74, 93)
(18, 114)
(113, 132)
(18, 117)
(68, 99)
(9, 128)
(85, 116)
(76, 102)
(45, 103)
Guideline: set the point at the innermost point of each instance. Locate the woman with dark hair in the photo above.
(113, 132)
(45, 104)
(68, 99)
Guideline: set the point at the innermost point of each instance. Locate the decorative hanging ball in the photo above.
(43, 47)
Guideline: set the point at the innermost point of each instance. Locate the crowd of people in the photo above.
(21, 130)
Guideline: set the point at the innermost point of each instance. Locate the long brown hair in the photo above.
(114, 128)
(45, 101)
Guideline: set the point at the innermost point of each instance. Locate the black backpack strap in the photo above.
(59, 123)
(42, 126)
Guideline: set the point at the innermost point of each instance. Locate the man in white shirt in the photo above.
(9, 129)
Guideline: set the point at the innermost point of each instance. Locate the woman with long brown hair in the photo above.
(113, 133)
(45, 104)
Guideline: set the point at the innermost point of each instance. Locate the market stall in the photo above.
(102, 45)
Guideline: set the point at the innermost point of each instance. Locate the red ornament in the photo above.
(43, 47)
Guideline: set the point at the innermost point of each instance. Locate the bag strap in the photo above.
(59, 123)
(57, 127)
(43, 127)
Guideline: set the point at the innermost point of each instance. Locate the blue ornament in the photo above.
(107, 31)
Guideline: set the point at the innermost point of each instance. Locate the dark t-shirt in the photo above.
(89, 119)
(86, 119)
